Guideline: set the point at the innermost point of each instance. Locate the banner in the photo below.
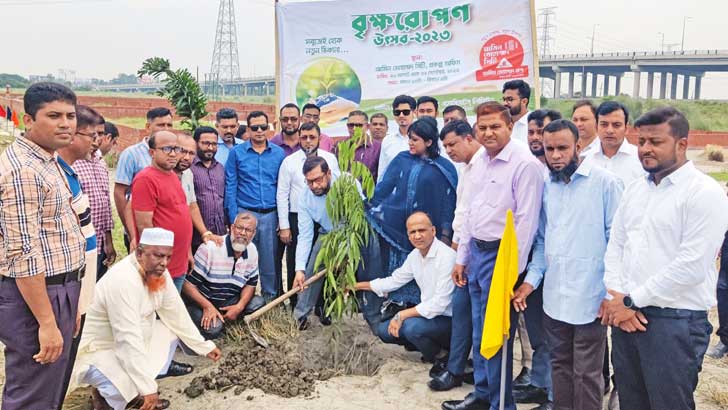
(345, 55)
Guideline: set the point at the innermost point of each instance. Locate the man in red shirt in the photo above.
(159, 201)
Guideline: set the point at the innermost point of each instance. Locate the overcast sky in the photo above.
(101, 38)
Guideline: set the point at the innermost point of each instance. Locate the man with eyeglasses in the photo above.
(208, 175)
(403, 109)
(221, 287)
(251, 178)
(288, 138)
(516, 96)
(226, 121)
(379, 126)
(182, 169)
(312, 113)
(368, 152)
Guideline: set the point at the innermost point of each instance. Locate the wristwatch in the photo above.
(629, 303)
(397, 317)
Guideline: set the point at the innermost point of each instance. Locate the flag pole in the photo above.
(504, 356)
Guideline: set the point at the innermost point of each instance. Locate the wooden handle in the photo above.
(280, 299)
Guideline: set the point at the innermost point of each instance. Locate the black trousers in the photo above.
(69, 370)
(658, 369)
(291, 255)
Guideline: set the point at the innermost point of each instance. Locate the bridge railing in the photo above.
(635, 54)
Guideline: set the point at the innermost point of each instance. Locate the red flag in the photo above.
(15, 119)
(3, 114)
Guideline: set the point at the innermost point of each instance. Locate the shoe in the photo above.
(549, 405)
(98, 402)
(607, 387)
(445, 381)
(531, 394)
(302, 324)
(717, 351)
(469, 378)
(438, 368)
(323, 317)
(613, 403)
(523, 378)
(177, 369)
(469, 403)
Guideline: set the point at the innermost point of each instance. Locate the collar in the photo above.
(624, 148)
(432, 253)
(197, 161)
(36, 150)
(248, 146)
(584, 168)
(506, 152)
(479, 153)
(679, 175)
(65, 167)
(229, 247)
(524, 120)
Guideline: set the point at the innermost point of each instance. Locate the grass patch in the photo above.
(118, 232)
(719, 176)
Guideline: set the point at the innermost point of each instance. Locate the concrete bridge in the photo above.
(260, 86)
(690, 66)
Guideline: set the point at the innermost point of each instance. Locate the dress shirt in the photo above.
(251, 178)
(624, 163)
(94, 176)
(665, 240)
(292, 183)
(432, 275)
(210, 192)
(368, 154)
(464, 188)
(39, 230)
(278, 140)
(131, 161)
(571, 241)
(311, 209)
(188, 185)
(520, 129)
(392, 144)
(596, 142)
(223, 151)
(513, 180)
(326, 143)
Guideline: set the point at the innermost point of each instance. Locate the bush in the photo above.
(714, 153)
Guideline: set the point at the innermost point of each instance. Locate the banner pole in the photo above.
(504, 357)
(536, 75)
(278, 82)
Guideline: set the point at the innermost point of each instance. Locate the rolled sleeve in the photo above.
(400, 277)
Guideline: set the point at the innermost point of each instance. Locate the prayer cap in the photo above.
(157, 237)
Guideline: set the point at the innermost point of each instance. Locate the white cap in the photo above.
(157, 237)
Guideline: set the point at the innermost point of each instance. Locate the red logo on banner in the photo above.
(501, 58)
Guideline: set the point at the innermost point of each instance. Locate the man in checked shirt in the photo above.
(41, 253)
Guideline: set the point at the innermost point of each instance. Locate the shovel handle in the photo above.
(280, 299)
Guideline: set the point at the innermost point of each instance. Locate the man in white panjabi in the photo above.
(124, 346)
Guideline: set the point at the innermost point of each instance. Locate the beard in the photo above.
(564, 174)
(206, 155)
(310, 150)
(515, 110)
(239, 246)
(290, 132)
(155, 283)
(323, 191)
(538, 152)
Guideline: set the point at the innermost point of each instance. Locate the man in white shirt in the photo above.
(584, 116)
(427, 325)
(291, 184)
(124, 347)
(516, 96)
(403, 110)
(614, 153)
(462, 147)
(660, 269)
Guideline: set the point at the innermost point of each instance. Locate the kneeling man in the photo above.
(427, 325)
(124, 347)
(222, 284)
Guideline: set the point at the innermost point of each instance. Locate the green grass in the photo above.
(118, 235)
(719, 176)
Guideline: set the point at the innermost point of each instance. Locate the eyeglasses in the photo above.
(170, 148)
(289, 119)
(354, 125)
(208, 144)
(397, 113)
(243, 229)
(509, 99)
(308, 137)
(256, 128)
(317, 181)
(93, 136)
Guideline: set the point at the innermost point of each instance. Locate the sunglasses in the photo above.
(170, 148)
(289, 119)
(397, 113)
(354, 125)
(256, 128)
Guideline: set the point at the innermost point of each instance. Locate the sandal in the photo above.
(138, 402)
(177, 369)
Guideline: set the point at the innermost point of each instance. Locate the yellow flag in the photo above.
(498, 311)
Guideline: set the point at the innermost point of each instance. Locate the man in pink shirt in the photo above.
(511, 178)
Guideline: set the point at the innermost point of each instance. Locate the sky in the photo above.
(102, 38)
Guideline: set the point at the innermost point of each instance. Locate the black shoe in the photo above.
(549, 405)
(469, 378)
(470, 403)
(323, 317)
(523, 378)
(445, 381)
(302, 324)
(438, 368)
(531, 394)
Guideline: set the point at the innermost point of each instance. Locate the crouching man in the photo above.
(221, 287)
(124, 347)
(426, 326)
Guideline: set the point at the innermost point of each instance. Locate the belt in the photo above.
(673, 313)
(72, 276)
(261, 210)
(486, 245)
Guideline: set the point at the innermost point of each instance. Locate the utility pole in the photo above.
(662, 42)
(225, 61)
(682, 42)
(594, 33)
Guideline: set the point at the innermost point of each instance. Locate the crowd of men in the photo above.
(610, 236)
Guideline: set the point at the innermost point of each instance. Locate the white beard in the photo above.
(239, 247)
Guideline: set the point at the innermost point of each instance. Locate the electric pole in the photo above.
(225, 61)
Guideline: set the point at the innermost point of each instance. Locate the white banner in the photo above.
(345, 55)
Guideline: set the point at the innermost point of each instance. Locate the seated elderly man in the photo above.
(427, 325)
(221, 287)
(124, 347)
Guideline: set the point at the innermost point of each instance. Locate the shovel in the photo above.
(275, 302)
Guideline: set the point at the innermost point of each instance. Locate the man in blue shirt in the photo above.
(579, 203)
(251, 179)
(226, 122)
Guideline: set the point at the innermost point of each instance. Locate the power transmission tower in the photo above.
(546, 29)
(225, 61)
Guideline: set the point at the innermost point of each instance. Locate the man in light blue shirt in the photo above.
(579, 203)
(226, 122)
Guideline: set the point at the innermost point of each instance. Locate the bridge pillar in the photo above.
(583, 84)
(650, 84)
(557, 82)
(686, 87)
(617, 84)
(673, 86)
(605, 91)
(663, 84)
(595, 78)
(698, 83)
(636, 84)
(571, 84)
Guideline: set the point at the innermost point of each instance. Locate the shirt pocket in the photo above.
(495, 192)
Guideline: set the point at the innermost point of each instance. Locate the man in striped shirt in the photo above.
(222, 284)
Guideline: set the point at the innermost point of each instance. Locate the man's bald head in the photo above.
(420, 231)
